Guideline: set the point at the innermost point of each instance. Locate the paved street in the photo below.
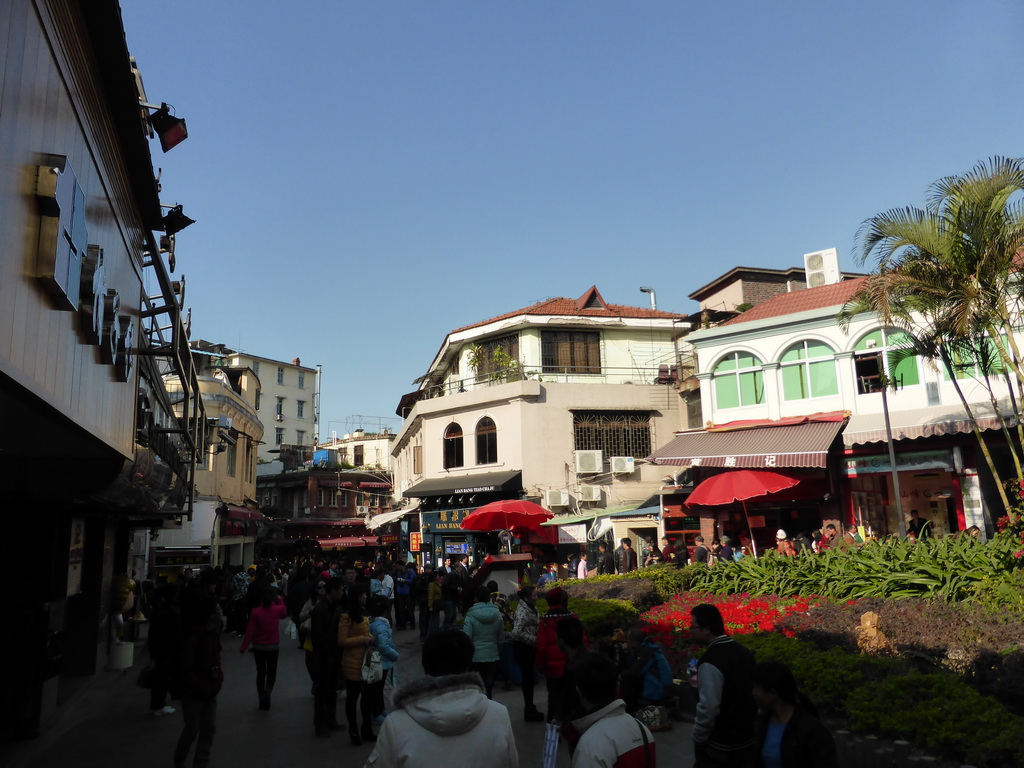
(109, 723)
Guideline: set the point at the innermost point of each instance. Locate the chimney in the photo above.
(296, 361)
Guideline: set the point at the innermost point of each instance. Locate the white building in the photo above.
(287, 400)
(556, 402)
(788, 358)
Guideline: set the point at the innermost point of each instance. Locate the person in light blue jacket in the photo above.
(486, 628)
(380, 628)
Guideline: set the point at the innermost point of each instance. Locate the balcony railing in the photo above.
(667, 375)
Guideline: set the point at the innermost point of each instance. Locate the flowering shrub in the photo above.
(669, 623)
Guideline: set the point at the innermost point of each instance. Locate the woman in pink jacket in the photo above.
(264, 636)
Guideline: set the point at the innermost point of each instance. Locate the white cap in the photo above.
(780, 534)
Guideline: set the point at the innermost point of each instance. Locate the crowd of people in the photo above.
(606, 692)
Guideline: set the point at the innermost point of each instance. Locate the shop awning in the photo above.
(348, 542)
(921, 422)
(570, 518)
(754, 445)
(243, 513)
(488, 482)
(389, 517)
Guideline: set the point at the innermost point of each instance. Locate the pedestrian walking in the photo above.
(524, 648)
(354, 638)
(485, 626)
(789, 733)
(262, 633)
(200, 678)
(383, 639)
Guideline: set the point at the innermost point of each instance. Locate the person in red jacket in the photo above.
(262, 632)
(551, 659)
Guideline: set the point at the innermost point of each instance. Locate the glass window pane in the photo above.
(875, 336)
(726, 392)
(818, 349)
(907, 369)
(751, 388)
(796, 352)
(746, 360)
(793, 382)
(727, 364)
(823, 378)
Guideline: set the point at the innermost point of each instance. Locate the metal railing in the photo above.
(651, 375)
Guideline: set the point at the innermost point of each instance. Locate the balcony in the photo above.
(654, 375)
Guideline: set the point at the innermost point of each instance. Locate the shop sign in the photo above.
(389, 538)
(446, 519)
(456, 548)
(572, 534)
(415, 541)
(916, 461)
(167, 558)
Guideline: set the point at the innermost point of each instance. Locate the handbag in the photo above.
(372, 671)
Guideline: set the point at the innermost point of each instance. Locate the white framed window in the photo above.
(738, 381)
(278, 435)
(808, 369)
(300, 408)
(280, 375)
(302, 379)
(875, 354)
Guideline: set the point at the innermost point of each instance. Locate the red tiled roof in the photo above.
(590, 304)
(800, 301)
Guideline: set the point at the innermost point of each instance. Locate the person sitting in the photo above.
(445, 713)
(648, 679)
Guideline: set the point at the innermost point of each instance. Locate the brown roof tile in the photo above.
(800, 301)
(590, 304)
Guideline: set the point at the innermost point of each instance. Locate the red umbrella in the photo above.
(738, 485)
(506, 514)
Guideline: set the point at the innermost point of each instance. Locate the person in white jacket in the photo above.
(445, 713)
(607, 736)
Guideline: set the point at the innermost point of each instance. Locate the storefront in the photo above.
(929, 484)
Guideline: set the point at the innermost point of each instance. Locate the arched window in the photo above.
(738, 381)
(809, 370)
(874, 355)
(486, 441)
(453, 456)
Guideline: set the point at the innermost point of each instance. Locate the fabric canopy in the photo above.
(738, 485)
(483, 483)
(921, 422)
(243, 513)
(760, 446)
(506, 514)
(388, 517)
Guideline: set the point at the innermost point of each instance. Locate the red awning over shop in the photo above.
(243, 513)
(802, 442)
(374, 485)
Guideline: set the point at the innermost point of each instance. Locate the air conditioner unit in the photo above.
(278, 417)
(590, 493)
(589, 461)
(821, 268)
(362, 510)
(556, 498)
(622, 465)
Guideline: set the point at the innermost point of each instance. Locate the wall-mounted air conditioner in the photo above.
(589, 461)
(821, 268)
(590, 493)
(622, 465)
(362, 510)
(556, 498)
(278, 417)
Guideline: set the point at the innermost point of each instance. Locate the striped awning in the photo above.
(803, 444)
(923, 422)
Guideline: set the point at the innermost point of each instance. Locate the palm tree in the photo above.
(948, 275)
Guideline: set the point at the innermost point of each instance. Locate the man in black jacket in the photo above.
(326, 658)
(605, 561)
(625, 557)
(723, 728)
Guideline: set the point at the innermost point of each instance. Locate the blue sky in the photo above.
(367, 176)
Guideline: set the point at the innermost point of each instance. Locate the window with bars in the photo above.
(616, 433)
(570, 351)
(486, 441)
